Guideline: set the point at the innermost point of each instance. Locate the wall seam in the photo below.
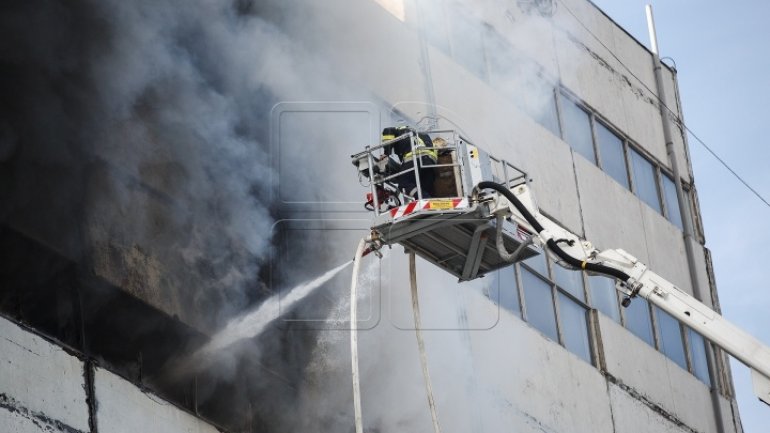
(90, 388)
(649, 403)
(11, 405)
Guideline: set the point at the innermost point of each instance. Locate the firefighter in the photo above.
(427, 157)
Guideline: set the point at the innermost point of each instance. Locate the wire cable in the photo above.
(721, 161)
(673, 114)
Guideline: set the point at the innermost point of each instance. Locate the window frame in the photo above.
(690, 355)
(686, 190)
(655, 174)
(615, 294)
(556, 291)
(659, 337)
(519, 294)
(525, 312)
(624, 144)
(624, 323)
(590, 112)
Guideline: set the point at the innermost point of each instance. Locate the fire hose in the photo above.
(360, 252)
(354, 336)
(421, 343)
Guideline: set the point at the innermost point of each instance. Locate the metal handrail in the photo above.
(458, 144)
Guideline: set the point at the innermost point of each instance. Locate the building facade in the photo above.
(162, 255)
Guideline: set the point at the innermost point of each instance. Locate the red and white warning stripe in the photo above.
(408, 208)
(523, 233)
(432, 204)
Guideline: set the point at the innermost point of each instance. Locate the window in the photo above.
(638, 321)
(698, 356)
(604, 296)
(618, 159)
(611, 153)
(538, 301)
(672, 204)
(566, 324)
(545, 112)
(569, 280)
(574, 326)
(577, 129)
(670, 337)
(504, 291)
(645, 185)
(538, 263)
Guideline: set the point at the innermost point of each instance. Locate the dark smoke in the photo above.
(134, 140)
(133, 137)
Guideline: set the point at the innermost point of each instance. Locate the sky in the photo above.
(722, 57)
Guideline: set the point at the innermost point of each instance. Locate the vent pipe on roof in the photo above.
(651, 29)
(684, 211)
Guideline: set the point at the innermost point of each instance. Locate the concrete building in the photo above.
(195, 162)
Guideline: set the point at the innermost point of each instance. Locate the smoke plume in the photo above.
(135, 139)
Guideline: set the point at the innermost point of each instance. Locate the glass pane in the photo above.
(604, 296)
(538, 264)
(539, 303)
(577, 129)
(670, 337)
(638, 320)
(569, 280)
(574, 327)
(644, 180)
(545, 108)
(503, 290)
(611, 153)
(672, 204)
(698, 356)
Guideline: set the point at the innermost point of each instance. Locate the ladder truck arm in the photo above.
(633, 278)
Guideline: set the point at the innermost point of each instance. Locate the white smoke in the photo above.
(160, 108)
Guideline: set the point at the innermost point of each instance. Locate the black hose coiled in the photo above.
(552, 245)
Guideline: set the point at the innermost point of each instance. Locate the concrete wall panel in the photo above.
(18, 423)
(586, 66)
(644, 126)
(612, 214)
(655, 378)
(643, 122)
(632, 416)
(665, 247)
(40, 379)
(537, 383)
(124, 408)
(634, 56)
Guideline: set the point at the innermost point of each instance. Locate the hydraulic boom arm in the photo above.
(635, 279)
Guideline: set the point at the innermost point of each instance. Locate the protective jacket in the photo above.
(403, 147)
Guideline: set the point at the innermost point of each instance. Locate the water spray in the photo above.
(256, 321)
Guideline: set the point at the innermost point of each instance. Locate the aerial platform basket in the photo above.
(455, 230)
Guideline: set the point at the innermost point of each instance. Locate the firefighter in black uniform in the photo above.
(423, 152)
